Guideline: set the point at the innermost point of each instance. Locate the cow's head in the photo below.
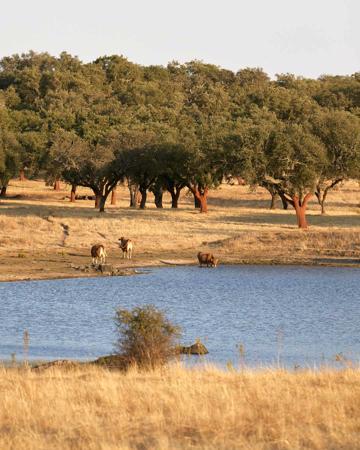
(214, 261)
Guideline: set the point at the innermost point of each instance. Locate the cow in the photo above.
(215, 262)
(98, 253)
(126, 246)
(208, 259)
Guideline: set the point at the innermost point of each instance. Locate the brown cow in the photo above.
(208, 259)
(126, 246)
(98, 253)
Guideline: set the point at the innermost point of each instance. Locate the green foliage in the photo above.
(339, 132)
(190, 124)
(146, 337)
(295, 159)
(9, 148)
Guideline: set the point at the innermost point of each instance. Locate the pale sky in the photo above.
(305, 37)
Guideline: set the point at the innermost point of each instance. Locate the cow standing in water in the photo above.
(208, 259)
(98, 253)
(126, 246)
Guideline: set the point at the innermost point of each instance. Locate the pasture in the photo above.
(176, 408)
(43, 234)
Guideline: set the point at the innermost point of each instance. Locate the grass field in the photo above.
(177, 409)
(239, 228)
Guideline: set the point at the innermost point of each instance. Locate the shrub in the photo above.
(146, 337)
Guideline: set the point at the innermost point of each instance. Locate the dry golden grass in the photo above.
(177, 408)
(238, 228)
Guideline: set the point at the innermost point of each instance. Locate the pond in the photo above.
(291, 315)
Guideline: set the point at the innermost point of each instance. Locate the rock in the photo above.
(105, 268)
(61, 363)
(126, 272)
(196, 349)
(112, 362)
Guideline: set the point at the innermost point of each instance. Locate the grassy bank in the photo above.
(175, 408)
(239, 228)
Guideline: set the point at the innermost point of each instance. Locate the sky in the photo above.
(306, 37)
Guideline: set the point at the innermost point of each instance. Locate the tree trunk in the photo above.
(300, 209)
(3, 191)
(203, 204)
(73, 193)
(57, 185)
(143, 192)
(97, 200)
(22, 175)
(202, 197)
(273, 200)
(301, 217)
(241, 181)
(284, 202)
(197, 202)
(322, 204)
(133, 190)
(321, 197)
(102, 201)
(175, 195)
(321, 201)
(113, 196)
(158, 194)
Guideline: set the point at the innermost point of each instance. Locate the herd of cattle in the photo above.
(98, 254)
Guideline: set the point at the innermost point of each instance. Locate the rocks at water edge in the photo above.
(195, 349)
(106, 269)
(59, 363)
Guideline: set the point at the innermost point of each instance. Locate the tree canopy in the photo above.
(185, 125)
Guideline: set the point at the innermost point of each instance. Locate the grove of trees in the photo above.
(189, 125)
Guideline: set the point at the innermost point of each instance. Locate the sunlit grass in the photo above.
(177, 408)
(239, 226)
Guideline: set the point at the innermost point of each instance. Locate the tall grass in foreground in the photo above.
(178, 408)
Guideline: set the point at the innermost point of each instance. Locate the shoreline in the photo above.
(130, 269)
(99, 361)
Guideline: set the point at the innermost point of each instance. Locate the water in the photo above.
(292, 315)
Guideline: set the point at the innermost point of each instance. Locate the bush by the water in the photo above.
(146, 337)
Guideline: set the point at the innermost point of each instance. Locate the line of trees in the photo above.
(182, 126)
